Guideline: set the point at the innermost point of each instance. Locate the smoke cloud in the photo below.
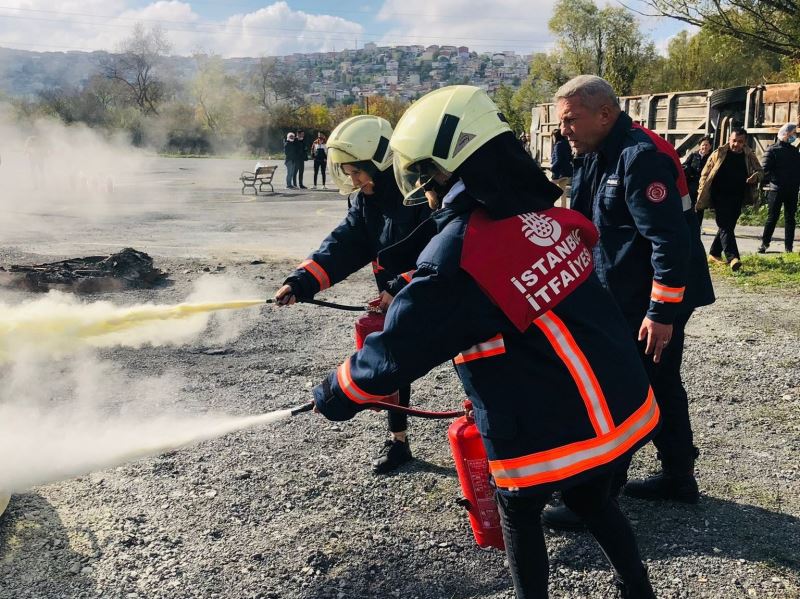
(58, 323)
(90, 416)
(65, 412)
(69, 171)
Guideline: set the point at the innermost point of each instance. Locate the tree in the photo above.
(274, 87)
(709, 60)
(504, 97)
(136, 67)
(604, 42)
(772, 25)
(215, 93)
(389, 108)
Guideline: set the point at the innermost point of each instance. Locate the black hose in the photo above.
(382, 405)
(325, 304)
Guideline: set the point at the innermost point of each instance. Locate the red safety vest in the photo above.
(529, 263)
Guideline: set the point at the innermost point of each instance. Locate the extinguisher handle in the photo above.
(464, 502)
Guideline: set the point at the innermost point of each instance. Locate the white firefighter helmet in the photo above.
(363, 138)
(442, 129)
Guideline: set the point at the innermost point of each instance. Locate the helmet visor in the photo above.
(413, 178)
(342, 180)
(337, 158)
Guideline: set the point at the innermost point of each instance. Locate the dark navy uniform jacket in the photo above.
(650, 256)
(372, 224)
(554, 402)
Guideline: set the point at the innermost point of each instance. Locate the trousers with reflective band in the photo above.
(544, 257)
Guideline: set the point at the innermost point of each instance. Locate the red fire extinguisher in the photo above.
(372, 322)
(473, 474)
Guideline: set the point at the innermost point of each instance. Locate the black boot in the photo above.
(560, 517)
(665, 486)
(675, 482)
(393, 455)
(640, 588)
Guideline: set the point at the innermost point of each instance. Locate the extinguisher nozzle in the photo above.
(304, 408)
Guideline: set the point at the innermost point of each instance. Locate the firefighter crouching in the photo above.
(506, 290)
(360, 162)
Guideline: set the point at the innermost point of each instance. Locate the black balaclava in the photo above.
(505, 180)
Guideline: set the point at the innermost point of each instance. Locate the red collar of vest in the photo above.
(530, 262)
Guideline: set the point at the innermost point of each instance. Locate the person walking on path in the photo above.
(693, 166)
(630, 182)
(781, 164)
(361, 166)
(728, 181)
(289, 152)
(319, 152)
(558, 392)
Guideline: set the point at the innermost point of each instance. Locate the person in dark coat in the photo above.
(506, 290)
(289, 153)
(300, 157)
(781, 164)
(693, 166)
(361, 166)
(560, 157)
(630, 182)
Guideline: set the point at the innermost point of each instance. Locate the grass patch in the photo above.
(759, 272)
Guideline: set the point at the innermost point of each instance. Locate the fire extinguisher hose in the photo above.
(381, 405)
(325, 304)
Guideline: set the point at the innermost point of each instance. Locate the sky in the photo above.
(252, 28)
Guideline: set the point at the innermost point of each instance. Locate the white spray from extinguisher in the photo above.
(42, 449)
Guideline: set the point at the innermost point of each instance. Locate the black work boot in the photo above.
(665, 486)
(635, 589)
(393, 455)
(560, 517)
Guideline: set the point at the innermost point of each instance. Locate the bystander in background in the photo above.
(728, 181)
(319, 153)
(693, 166)
(781, 164)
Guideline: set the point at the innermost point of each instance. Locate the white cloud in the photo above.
(101, 25)
(519, 25)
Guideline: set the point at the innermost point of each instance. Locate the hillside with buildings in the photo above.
(398, 71)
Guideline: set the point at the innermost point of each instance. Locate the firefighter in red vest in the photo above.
(360, 162)
(506, 289)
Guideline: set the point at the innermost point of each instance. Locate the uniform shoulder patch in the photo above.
(656, 192)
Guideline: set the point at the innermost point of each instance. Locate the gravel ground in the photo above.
(293, 511)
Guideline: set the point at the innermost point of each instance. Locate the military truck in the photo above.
(684, 117)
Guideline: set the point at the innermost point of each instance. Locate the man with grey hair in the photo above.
(781, 164)
(630, 182)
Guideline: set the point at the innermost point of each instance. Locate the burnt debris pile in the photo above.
(127, 269)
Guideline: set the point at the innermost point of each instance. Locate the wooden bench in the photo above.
(257, 180)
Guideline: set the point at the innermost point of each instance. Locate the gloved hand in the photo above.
(330, 404)
(287, 294)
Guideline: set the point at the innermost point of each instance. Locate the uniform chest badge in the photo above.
(656, 192)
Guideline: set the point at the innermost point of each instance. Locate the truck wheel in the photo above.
(731, 95)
